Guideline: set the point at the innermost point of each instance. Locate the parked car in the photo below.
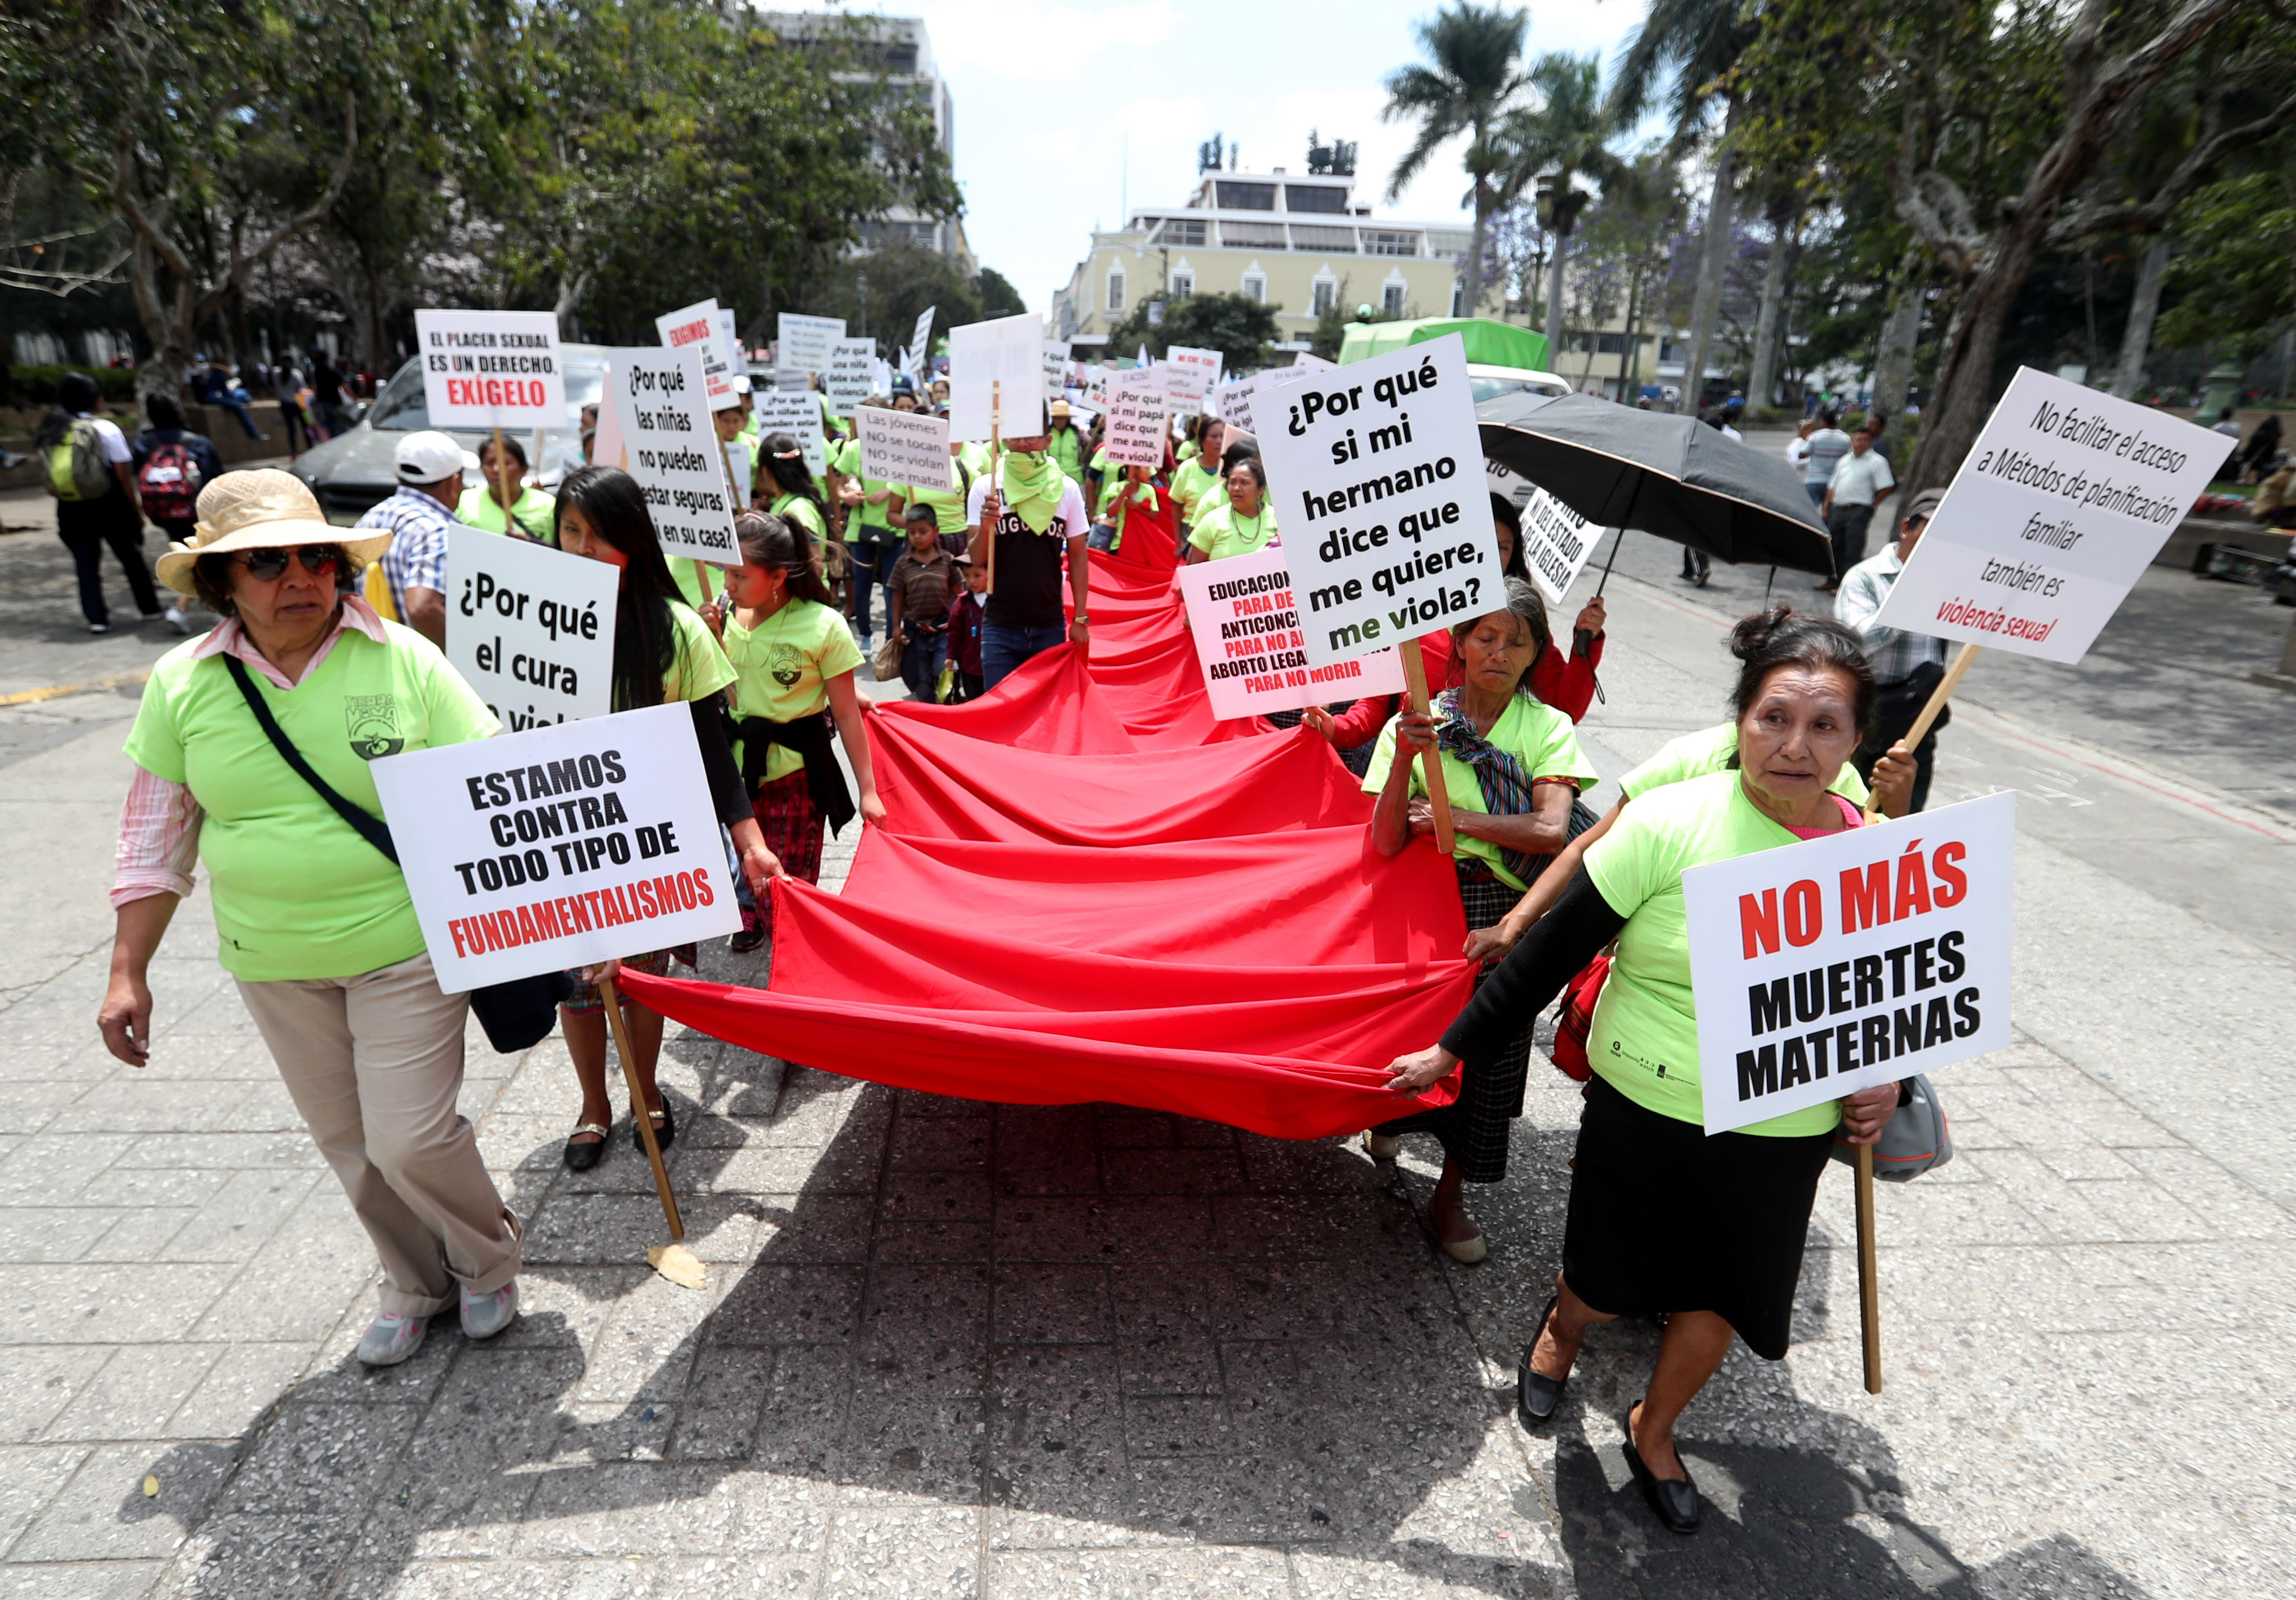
(353, 470)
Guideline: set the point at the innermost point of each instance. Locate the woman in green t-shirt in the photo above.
(1513, 770)
(1664, 1220)
(793, 664)
(1243, 525)
(314, 921)
(662, 652)
(506, 501)
(1199, 468)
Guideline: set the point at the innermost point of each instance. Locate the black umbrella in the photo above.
(1672, 476)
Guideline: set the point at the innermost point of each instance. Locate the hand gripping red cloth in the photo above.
(1076, 898)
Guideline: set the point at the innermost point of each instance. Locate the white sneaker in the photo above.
(485, 1315)
(99, 628)
(390, 1339)
(177, 620)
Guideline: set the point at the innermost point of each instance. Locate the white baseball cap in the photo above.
(428, 456)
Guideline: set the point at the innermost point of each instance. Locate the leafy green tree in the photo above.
(1566, 136)
(1473, 75)
(997, 297)
(2232, 267)
(883, 292)
(1238, 326)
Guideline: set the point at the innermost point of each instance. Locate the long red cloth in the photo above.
(1087, 889)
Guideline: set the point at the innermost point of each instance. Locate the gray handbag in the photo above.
(1918, 1138)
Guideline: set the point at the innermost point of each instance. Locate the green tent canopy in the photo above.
(1489, 343)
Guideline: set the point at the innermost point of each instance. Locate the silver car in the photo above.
(353, 470)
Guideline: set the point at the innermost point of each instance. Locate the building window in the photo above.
(1255, 287)
(1335, 241)
(1458, 299)
(1313, 197)
(1183, 230)
(1245, 197)
(1325, 296)
(1380, 242)
(1116, 289)
(1252, 235)
(1390, 300)
(1184, 284)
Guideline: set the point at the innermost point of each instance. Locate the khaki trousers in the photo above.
(374, 1063)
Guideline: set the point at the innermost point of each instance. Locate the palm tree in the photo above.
(1566, 136)
(1473, 74)
(1690, 44)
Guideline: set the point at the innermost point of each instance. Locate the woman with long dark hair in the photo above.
(662, 652)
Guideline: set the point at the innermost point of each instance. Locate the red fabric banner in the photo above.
(1087, 889)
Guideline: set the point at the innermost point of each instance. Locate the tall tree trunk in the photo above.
(1721, 211)
(1901, 332)
(1630, 370)
(1964, 381)
(2136, 339)
(1470, 278)
(1554, 300)
(1766, 325)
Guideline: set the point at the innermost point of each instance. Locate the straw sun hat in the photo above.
(260, 509)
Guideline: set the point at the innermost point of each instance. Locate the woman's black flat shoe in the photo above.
(665, 1128)
(1674, 1501)
(746, 940)
(1536, 1395)
(581, 1158)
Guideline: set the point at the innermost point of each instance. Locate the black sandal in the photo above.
(1536, 1395)
(665, 1126)
(581, 1158)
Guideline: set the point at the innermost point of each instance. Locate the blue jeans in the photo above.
(866, 563)
(1815, 491)
(1003, 649)
(921, 666)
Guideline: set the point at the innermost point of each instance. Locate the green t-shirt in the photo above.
(847, 459)
(1066, 448)
(1190, 485)
(783, 667)
(1223, 533)
(686, 573)
(1537, 735)
(298, 894)
(803, 511)
(536, 514)
(700, 667)
(1644, 1038)
(1710, 750)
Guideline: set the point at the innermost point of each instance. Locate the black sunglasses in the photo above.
(318, 560)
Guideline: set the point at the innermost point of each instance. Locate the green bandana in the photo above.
(1032, 488)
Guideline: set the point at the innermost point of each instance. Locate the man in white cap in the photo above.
(418, 517)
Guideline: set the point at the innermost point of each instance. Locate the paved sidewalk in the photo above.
(958, 1350)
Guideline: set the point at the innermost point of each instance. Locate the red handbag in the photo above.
(1578, 1019)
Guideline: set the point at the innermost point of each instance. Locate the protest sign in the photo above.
(796, 413)
(1556, 543)
(1306, 362)
(1246, 627)
(921, 339)
(1190, 375)
(608, 443)
(805, 343)
(1861, 957)
(788, 382)
(2063, 502)
(529, 627)
(697, 327)
(562, 846)
(852, 362)
(1057, 368)
(735, 355)
(671, 443)
(1136, 421)
(1507, 483)
(906, 447)
(996, 378)
(1386, 525)
(1236, 400)
(491, 369)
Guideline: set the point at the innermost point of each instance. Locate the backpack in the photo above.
(77, 470)
(169, 484)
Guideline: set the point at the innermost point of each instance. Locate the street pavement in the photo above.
(952, 1349)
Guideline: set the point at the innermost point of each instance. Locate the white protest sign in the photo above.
(491, 369)
(796, 413)
(1136, 421)
(805, 343)
(607, 443)
(563, 847)
(1308, 362)
(921, 340)
(732, 332)
(1236, 400)
(852, 363)
(697, 327)
(906, 447)
(1191, 374)
(1246, 627)
(1057, 368)
(529, 627)
(1507, 483)
(1385, 520)
(672, 445)
(996, 378)
(882, 380)
(1556, 543)
(1824, 967)
(2063, 502)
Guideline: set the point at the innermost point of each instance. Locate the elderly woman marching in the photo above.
(302, 685)
(1513, 769)
(1663, 1218)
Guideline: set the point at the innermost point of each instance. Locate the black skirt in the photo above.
(1665, 1219)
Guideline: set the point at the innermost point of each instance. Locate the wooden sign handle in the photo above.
(608, 993)
(1869, 1273)
(1430, 765)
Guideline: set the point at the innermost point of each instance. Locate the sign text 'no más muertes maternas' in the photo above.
(491, 369)
(572, 844)
(1377, 472)
(529, 627)
(1244, 618)
(1827, 967)
(671, 446)
(2065, 498)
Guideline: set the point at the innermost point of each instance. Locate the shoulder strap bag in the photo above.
(516, 1015)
